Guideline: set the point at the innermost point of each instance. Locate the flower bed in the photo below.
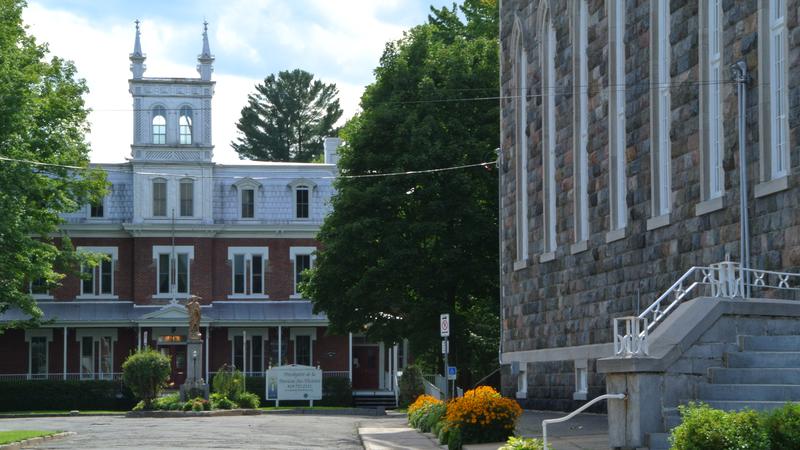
(481, 415)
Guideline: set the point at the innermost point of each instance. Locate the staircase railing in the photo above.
(576, 412)
(725, 279)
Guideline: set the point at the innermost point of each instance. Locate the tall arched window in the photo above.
(616, 119)
(711, 124)
(548, 51)
(580, 121)
(520, 96)
(159, 125)
(185, 125)
(661, 159)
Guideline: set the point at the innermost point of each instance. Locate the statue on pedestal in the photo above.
(193, 308)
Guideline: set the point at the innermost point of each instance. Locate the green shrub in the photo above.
(411, 386)
(783, 426)
(443, 434)
(711, 429)
(454, 439)
(336, 391)
(520, 443)
(431, 416)
(229, 382)
(248, 400)
(219, 401)
(32, 395)
(187, 406)
(145, 373)
(168, 402)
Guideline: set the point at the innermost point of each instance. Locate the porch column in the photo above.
(208, 347)
(394, 368)
(350, 357)
(280, 345)
(139, 338)
(65, 353)
(382, 366)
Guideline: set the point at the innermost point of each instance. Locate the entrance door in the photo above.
(365, 367)
(177, 357)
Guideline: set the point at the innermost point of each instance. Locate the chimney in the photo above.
(331, 146)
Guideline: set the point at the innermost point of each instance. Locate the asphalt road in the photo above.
(268, 431)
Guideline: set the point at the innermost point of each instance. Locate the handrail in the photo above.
(576, 412)
(484, 378)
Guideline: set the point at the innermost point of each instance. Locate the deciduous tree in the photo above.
(43, 119)
(287, 118)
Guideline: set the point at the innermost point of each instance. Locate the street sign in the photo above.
(445, 346)
(451, 372)
(444, 325)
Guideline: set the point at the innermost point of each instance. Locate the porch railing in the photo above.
(724, 279)
(60, 376)
(325, 374)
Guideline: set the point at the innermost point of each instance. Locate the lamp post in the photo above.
(194, 364)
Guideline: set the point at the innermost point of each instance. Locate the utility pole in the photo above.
(741, 77)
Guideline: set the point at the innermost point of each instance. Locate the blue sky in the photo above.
(339, 41)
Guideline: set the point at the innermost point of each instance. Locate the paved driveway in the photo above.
(268, 431)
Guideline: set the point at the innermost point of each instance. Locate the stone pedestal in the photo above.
(195, 384)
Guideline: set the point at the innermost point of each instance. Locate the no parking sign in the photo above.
(444, 325)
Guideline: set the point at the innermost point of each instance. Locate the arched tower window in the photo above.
(185, 125)
(159, 125)
(548, 51)
(520, 144)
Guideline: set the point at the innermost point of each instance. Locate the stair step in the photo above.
(658, 441)
(671, 421)
(763, 359)
(770, 343)
(754, 392)
(733, 405)
(724, 375)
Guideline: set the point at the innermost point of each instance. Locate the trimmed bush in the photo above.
(411, 386)
(783, 426)
(170, 402)
(32, 395)
(145, 373)
(711, 429)
(248, 400)
(219, 401)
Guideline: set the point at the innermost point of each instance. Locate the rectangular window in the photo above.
(96, 209)
(248, 204)
(660, 121)
(187, 198)
(87, 357)
(714, 184)
(301, 197)
(87, 280)
(238, 352)
(106, 277)
(616, 116)
(257, 282)
(163, 273)
(159, 198)
(778, 89)
(301, 263)
(581, 130)
(256, 357)
(38, 287)
(182, 274)
(238, 274)
(302, 350)
(38, 348)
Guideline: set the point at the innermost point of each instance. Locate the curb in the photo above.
(330, 412)
(36, 416)
(254, 412)
(36, 440)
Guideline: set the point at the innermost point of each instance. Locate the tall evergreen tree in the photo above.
(43, 119)
(399, 250)
(287, 118)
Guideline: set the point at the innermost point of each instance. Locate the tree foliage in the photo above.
(44, 120)
(287, 118)
(399, 250)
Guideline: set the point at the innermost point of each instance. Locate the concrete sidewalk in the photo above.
(584, 432)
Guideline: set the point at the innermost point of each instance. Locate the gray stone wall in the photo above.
(571, 300)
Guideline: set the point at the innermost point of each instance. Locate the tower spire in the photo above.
(205, 59)
(137, 57)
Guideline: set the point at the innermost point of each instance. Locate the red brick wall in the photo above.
(13, 352)
(326, 344)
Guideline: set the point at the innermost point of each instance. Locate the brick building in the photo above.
(175, 225)
(621, 170)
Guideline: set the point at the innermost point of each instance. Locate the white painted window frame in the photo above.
(242, 185)
(778, 90)
(302, 183)
(97, 279)
(713, 175)
(190, 181)
(248, 253)
(547, 46)
(581, 123)
(293, 253)
(617, 135)
(158, 110)
(153, 182)
(661, 161)
(235, 332)
(311, 332)
(179, 250)
(97, 334)
(45, 333)
(521, 146)
(190, 124)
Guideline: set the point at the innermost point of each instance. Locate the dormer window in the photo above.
(248, 203)
(247, 189)
(96, 209)
(301, 202)
(185, 125)
(187, 197)
(159, 125)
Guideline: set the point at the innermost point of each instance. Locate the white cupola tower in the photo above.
(137, 57)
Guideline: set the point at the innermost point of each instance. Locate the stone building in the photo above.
(620, 167)
(175, 225)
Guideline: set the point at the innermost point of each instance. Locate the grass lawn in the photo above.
(7, 437)
(50, 412)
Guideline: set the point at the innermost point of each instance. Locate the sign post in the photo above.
(444, 330)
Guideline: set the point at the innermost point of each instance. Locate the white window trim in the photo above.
(547, 47)
(113, 251)
(153, 116)
(617, 131)
(47, 334)
(47, 296)
(194, 183)
(179, 249)
(294, 202)
(306, 331)
(248, 253)
(96, 334)
(241, 185)
(104, 217)
(660, 145)
(191, 124)
(520, 146)
(151, 202)
(293, 252)
(712, 175)
(262, 332)
(581, 128)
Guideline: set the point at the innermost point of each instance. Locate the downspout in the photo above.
(741, 78)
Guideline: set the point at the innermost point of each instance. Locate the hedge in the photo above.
(35, 395)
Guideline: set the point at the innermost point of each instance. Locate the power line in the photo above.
(228, 177)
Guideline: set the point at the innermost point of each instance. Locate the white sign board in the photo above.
(445, 346)
(294, 382)
(444, 325)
